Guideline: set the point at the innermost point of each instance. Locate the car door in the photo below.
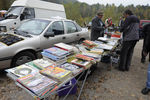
(57, 28)
(72, 33)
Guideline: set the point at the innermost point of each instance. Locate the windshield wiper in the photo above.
(22, 33)
(27, 34)
(11, 15)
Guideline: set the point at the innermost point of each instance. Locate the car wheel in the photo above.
(22, 58)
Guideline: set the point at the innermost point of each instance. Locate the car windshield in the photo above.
(34, 27)
(13, 12)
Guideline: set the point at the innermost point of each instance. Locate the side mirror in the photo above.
(49, 34)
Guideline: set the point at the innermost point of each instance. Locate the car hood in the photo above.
(7, 39)
(10, 44)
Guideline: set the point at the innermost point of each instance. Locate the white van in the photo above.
(22, 10)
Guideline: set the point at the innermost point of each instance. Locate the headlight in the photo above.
(3, 29)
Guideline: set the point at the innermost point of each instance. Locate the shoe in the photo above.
(121, 69)
(143, 61)
(126, 68)
(145, 91)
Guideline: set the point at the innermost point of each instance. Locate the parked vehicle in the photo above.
(142, 23)
(22, 10)
(28, 40)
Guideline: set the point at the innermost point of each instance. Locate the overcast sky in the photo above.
(118, 2)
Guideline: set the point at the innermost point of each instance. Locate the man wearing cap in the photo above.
(98, 26)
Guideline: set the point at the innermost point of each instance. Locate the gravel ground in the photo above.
(101, 85)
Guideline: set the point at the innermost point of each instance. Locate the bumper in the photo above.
(5, 63)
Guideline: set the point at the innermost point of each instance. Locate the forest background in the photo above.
(84, 13)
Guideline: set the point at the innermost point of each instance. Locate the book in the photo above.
(40, 63)
(103, 39)
(82, 63)
(96, 51)
(105, 46)
(23, 70)
(51, 56)
(56, 73)
(88, 46)
(58, 62)
(65, 46)
(36, 83)
(81, 48)
(74, 68)
(83, 57)
(93, 55)
(89, 43)
(56, 51)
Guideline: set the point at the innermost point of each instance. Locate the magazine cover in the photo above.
(56, 73)
(36, 83)
(22, 70)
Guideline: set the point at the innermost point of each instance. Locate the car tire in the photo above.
(22, 58)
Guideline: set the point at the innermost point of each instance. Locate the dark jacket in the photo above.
(146, 45)
(97, 29)
(130, 28)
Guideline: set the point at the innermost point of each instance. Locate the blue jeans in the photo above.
(148, 77)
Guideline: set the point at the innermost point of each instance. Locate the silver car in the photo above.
(34, 35)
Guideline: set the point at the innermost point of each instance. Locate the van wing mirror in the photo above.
(49, 34)
(22, 17)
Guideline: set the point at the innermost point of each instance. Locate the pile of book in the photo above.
(96, 51)
(37, 83)
(28, 77)
(89, 44)
(69, 48)
(55, 54)
(56, 73)
(21, 70)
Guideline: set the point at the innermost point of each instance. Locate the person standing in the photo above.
(130, 31)
(146, 50)
(145, 32)
(98, 27)
(120, 22)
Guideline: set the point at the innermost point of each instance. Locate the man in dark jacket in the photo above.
(146, 32)
(130, 31)
(97, 29)
(146, 50)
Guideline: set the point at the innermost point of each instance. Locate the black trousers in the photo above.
(126, 54)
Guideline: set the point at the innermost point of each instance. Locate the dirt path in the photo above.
(101, 85)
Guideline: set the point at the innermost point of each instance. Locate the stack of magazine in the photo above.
(96, 51)
(65, 47)
(21, 70)
(37, 83)
(89, 44)
(56, 73)
(55, 54)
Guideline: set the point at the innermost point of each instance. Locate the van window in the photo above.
(70, 26)
(29, 13)
(57, 28)
(14, 12)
